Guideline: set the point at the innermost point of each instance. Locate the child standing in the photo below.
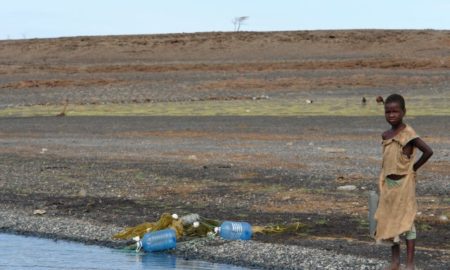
(397, 205)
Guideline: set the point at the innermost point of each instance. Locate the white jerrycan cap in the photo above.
(136, 238)
(138, 243)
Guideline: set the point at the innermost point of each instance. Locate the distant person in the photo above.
(397, 205)
(379, 100)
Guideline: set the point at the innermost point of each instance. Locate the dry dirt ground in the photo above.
(265, 170)
(221, 66)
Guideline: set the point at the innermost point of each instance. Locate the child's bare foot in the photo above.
(394, 266)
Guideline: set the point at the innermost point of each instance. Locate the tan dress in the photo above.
(397, 205)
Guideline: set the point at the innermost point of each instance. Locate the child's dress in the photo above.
(397, 205)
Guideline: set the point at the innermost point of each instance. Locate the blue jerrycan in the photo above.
(159, 240)
(232, 230)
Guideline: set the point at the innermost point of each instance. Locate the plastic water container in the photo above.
(159, 240)
(232, 230)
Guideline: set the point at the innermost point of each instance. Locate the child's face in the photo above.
(393, 113)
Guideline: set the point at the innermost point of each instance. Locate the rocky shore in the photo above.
(250, 253)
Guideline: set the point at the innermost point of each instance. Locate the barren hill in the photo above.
(233, 47)
(198, 66)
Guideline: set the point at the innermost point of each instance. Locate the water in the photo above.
(32, 253)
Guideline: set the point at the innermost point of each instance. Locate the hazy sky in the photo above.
(55, 18)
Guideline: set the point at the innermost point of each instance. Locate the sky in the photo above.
(21, 19)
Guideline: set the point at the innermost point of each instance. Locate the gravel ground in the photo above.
(100, 174)
(273, 256)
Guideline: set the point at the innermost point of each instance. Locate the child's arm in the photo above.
(426, 153)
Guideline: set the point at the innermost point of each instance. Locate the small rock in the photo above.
(82, 193)
(226, 166)
(289, 143)
(347, 187)
(43, 150)
(192, 157)
(39, 212)
(443, 218)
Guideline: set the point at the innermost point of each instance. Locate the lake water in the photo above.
(32, 253)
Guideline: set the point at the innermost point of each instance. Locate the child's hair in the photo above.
(398, 99)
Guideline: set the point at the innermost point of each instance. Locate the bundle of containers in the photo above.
(166, 239)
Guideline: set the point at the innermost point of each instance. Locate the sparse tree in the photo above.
(238, 22)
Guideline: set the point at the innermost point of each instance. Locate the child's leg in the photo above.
(410, 247)
(395, 263)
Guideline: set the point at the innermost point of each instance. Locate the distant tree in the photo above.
(238, 22)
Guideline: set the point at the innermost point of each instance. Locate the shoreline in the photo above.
(241, 253)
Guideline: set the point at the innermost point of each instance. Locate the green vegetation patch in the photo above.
(272, 107)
